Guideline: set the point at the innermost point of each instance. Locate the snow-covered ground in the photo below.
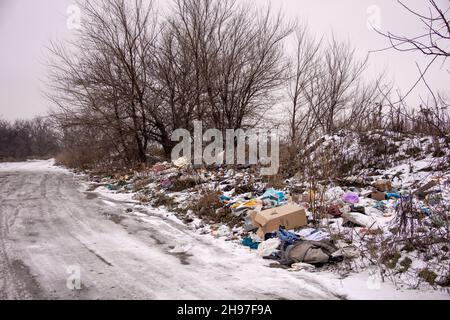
(51, 226)
(51, 232)
(31, 166)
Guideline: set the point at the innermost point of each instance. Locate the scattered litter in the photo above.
(311, 252)
(309, 196)
(350, 198)
(378, 195)
(346, 250)
(249, 242)
(317, 235)
(334, 193)
(166, 183)
(287, 237)
(268, 247)
(361, 220)
(302, 266)
(374, 212)
(334, 210)
(182, 163)
(383, 185)
(289, 216)
(393, 195)
(278, 197)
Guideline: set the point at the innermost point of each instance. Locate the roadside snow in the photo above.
(31, 165)
(367, 286)
(103, 192)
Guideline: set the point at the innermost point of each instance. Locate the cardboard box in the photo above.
(378, 195)
(383, 185)
(289, 216)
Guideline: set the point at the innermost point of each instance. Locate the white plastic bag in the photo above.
(268, 247)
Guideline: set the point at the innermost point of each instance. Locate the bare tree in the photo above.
(327, 91)
(24, 139)
(435, 41)
(224, 65)
(135, 80)
(303, 71)
(104, 81)
(342, 81)
(250, 67)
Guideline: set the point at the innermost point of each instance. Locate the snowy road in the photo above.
(54, 236)
(50, 231)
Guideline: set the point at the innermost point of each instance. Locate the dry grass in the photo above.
(179, 184)
(209, 208)
(161, 199)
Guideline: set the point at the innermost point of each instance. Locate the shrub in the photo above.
(428, 276)
(390, 259)
(405, 264)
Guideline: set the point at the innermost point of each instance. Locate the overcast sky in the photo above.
(26, 27)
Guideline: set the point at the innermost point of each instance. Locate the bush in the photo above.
(27, 139)
(390, 259)
(428, 276)
(405, 264)
(79, 159)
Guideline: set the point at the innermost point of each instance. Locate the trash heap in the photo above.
(285, 230)
(348, 223)
(380, 221)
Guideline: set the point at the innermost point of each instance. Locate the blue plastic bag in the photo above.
(273, 194)
(248, 242)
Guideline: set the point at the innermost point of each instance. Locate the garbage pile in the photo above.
(347, 222)
(298, 227)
